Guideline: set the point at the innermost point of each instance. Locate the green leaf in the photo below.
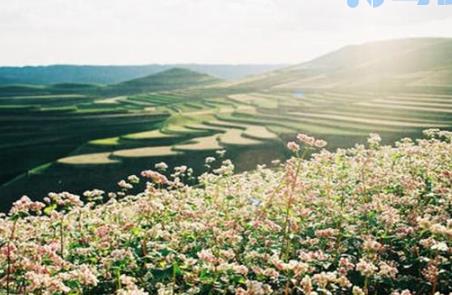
(163, 274)
(136, 231)
(49, 209)
(176, 269)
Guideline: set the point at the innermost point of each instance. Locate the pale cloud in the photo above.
(201, 31)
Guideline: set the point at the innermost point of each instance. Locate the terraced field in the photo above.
(67, 138)
(178, 131)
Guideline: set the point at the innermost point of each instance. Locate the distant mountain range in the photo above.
(419, 63)
(170, 79)
(56, 74)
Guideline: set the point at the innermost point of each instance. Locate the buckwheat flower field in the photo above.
(367, 220)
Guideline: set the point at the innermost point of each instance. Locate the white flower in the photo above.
(162, 166)
(124, 184)
(209, 160)
(221, 153)
(374, 139)
(441, 246)
(357, 291)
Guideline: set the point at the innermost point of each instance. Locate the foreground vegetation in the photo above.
(372, 220)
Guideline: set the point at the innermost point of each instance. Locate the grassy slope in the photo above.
(176, 78)
(408, 63)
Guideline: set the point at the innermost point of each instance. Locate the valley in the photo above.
(74, 137)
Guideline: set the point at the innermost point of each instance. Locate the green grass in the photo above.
(153, 134)
(40, 169)
(59, 109)
(200, 144)
(146, 152)
(88, 159)
(407, 107)
(235, 137)
(112, 141)
(12, 107)
(205, 127)
(55, 96)
(259, 132)
(368, 121)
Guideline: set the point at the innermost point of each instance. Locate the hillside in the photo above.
(372, 220)
(424, 63)
(45, 75)
(71, 137)
(40, 124)
(172, 79)
(176, 78)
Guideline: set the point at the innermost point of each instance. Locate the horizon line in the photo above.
(145, 64)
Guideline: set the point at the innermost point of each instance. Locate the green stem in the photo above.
(366, 283)
(62, 237)
(118, 279)
(8, 274)
(286, 243)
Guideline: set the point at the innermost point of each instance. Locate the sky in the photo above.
(41, 32)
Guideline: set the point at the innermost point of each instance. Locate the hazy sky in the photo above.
(201, 31)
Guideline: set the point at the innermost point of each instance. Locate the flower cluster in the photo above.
(155, 177)
(25, 206)
(357, 221)
(307, 141)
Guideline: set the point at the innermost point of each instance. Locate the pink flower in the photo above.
(155, 176)
(305, 139)
(366, 268)
(207, 256)
(293, 147)
(25, 205)
(320, 143)
(326, 233)
(102, 231)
